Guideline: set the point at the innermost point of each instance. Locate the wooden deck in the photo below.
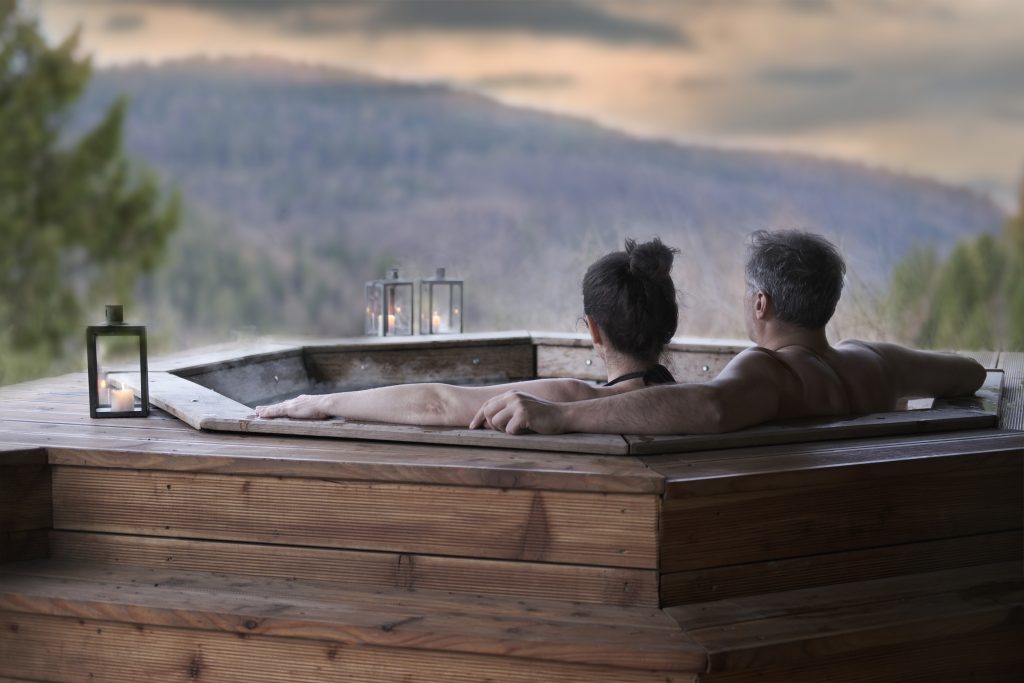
(143, 549)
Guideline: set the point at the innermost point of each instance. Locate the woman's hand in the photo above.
(306, 407)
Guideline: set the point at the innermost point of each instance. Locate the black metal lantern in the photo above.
(390, 306)
(440, 304)
(115, 351)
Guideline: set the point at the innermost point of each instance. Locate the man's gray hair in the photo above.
(802, 273)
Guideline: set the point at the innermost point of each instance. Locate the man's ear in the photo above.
(595, 331)
(762, 305)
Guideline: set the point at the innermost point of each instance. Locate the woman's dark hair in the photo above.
(631, 297)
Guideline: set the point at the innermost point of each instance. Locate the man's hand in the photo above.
(307, 407)
(515, 412)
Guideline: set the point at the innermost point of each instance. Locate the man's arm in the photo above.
(745, 393)
(928, 374)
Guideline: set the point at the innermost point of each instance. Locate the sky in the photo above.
(928, 87)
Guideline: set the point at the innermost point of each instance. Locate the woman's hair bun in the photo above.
(652, 260)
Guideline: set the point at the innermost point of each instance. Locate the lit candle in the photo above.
(122, 400)
(435, 322)
(391, 322)
(104, 394)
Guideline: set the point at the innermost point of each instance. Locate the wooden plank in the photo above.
(11, 455)
(255, 379)
(483, 364)
(187, 360)
(70, 649)
(690, 360)
(205, 409)
(722, 583)
(368, 570)
(357, 605)
(597, 444)
(789, 466)
(551, 631)
(769, 524)
(537, 526)
(25, 502)
(818, 429)
(356, 460)
(786, 628)
(992, 655)
(188, 401)
(1012, 416)
(987, 399)
(569, 361)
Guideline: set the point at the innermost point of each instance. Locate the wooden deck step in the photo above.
(211, 626)
(965, 620)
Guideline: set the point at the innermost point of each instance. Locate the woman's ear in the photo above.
(595, 331)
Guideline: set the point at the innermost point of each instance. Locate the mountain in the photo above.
(304, 181)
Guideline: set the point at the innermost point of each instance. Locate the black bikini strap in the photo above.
(628, 376)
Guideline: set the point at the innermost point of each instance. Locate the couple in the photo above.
(794, 280)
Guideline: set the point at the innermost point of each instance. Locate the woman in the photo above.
(630, 306)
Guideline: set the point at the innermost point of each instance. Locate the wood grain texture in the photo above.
(368, 570)
(559, 632)
(573, 356)
(791, 627)
(66, 432)
(488, 364)
(70, 650)
(989, 655)
(722, 583)
(941, 499)
(1013, 402)
(25, 502)
(819, 429)
(536, 526)
(767, 467)
(187, 400)
(598, 444)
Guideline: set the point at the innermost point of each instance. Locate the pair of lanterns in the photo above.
(391, 305)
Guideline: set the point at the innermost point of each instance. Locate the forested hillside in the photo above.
(301, 183)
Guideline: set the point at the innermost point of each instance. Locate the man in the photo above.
(794, 280)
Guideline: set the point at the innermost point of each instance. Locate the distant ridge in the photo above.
(347, 172)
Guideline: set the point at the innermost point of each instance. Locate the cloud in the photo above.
(567, 18)
(805, 77)
(124, 22)
(574, 18)
(524, 80)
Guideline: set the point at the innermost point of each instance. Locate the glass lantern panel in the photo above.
(456, 308)
(399, 309)
(374, 310)
(116, 354)
(441, 309)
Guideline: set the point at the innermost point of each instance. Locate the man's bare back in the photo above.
(794, 281)
(855, 377)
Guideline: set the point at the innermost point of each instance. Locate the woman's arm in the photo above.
(440, 405)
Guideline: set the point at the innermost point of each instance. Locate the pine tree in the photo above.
(79, 222)
(972, 300)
